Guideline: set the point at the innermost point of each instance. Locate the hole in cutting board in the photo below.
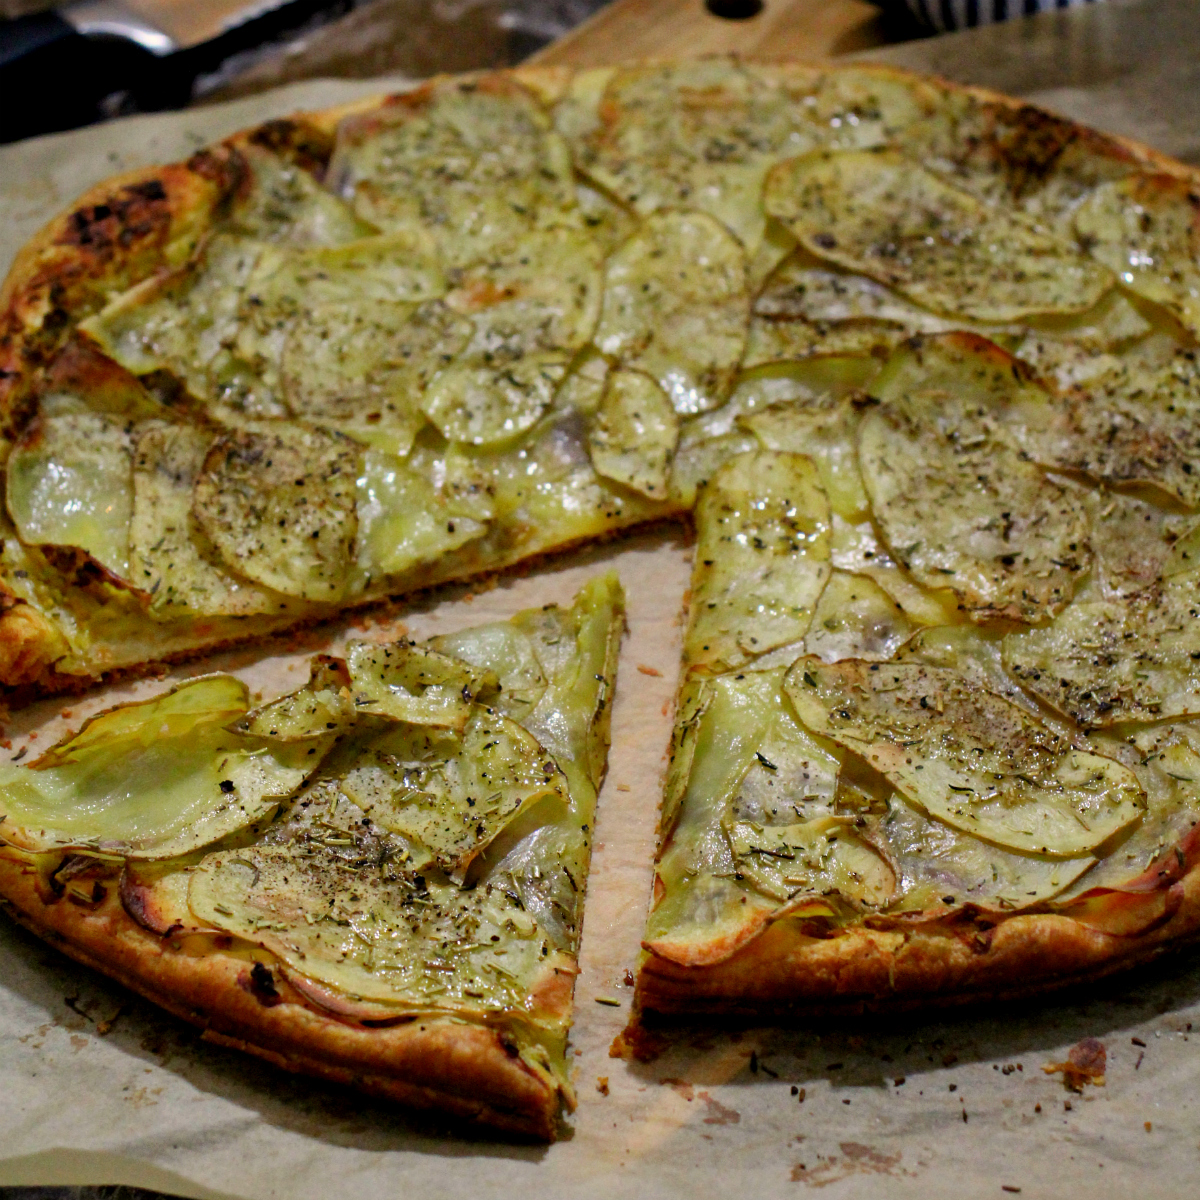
(734, 10)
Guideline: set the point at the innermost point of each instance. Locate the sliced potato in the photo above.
(533, 305)
(477, 163)
(155, 779)
(697, 135)
(633, 435)
(676, 306)
(1143, 227)
(856, 618)
(769, 341)
(698, 458)
(942, 867)
(279, 505)
(324, 705)
(402, 681)
(368, 933)
(170, 557)
(824, 430)
(876, 212)
(509, 653)
(404, 522)
(187, 323)
(1135, 543)
(1129, 426)
(70, 483)
(967, 756)
(1135, 658)
(762, 558)
(959, 505)
(454, 795)
(282, 201)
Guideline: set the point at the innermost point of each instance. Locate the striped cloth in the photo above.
(947, 15)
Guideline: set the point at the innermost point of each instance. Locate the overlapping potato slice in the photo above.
(1130, 426)
(477, 163)
(940, 867)
(170, 558)
(676, 306)
(876, 212)
(404, 521)
(156, 779)
(957, 502)
(187, 323)
(1133, 658)
(405, 682)
(278, 503)
(633, 434)
(283, 201)
(69, 483)
(1136, 543)
(453, 793)
(509, 653)
(968, 756)
(533, 305)
(695, 135)
(825, 430)
(1016, 155)
(364, 873)
(762, 558)
(324, 705)
(856, 618)
(1143, 227)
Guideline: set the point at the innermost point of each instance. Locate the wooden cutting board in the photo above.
(799, 30)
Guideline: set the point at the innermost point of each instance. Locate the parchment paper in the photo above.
(98, 1087)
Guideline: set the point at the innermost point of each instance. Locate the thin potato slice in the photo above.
(967, 756)
(367, 933)
(533, 306)
(451, 794)
(70, 483)
(403, 521)
(676, 306)
(1136, 543)
(170, 558)
(959, 505)
(155, 779)
(1136, 658)
(1129, 426)
(824, 429)
(402, 681)
(633, 435)
(283, 202)
(279, 506)
(1143, 227)
(695, 135)
(941, 867)
(477, 164)
(879, 213)
(762, 558)
(323, 706)
(770, 342)
(510, 654)
(856, 618)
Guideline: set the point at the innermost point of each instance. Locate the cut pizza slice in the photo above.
(377, 879)
(869, 801)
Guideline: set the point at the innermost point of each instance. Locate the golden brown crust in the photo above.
(970, 957)
(462, 1070)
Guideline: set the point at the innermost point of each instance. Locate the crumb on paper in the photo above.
(645, 670)
(611, 1001)
(1086, 1063)
(623, 787)
(105, 1026)
(1149, 1126)
(628, 980)
(602, 1084)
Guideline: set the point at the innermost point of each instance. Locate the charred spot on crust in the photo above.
(135, 212)
(296, 141)
(222, 166)
(260, 983)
